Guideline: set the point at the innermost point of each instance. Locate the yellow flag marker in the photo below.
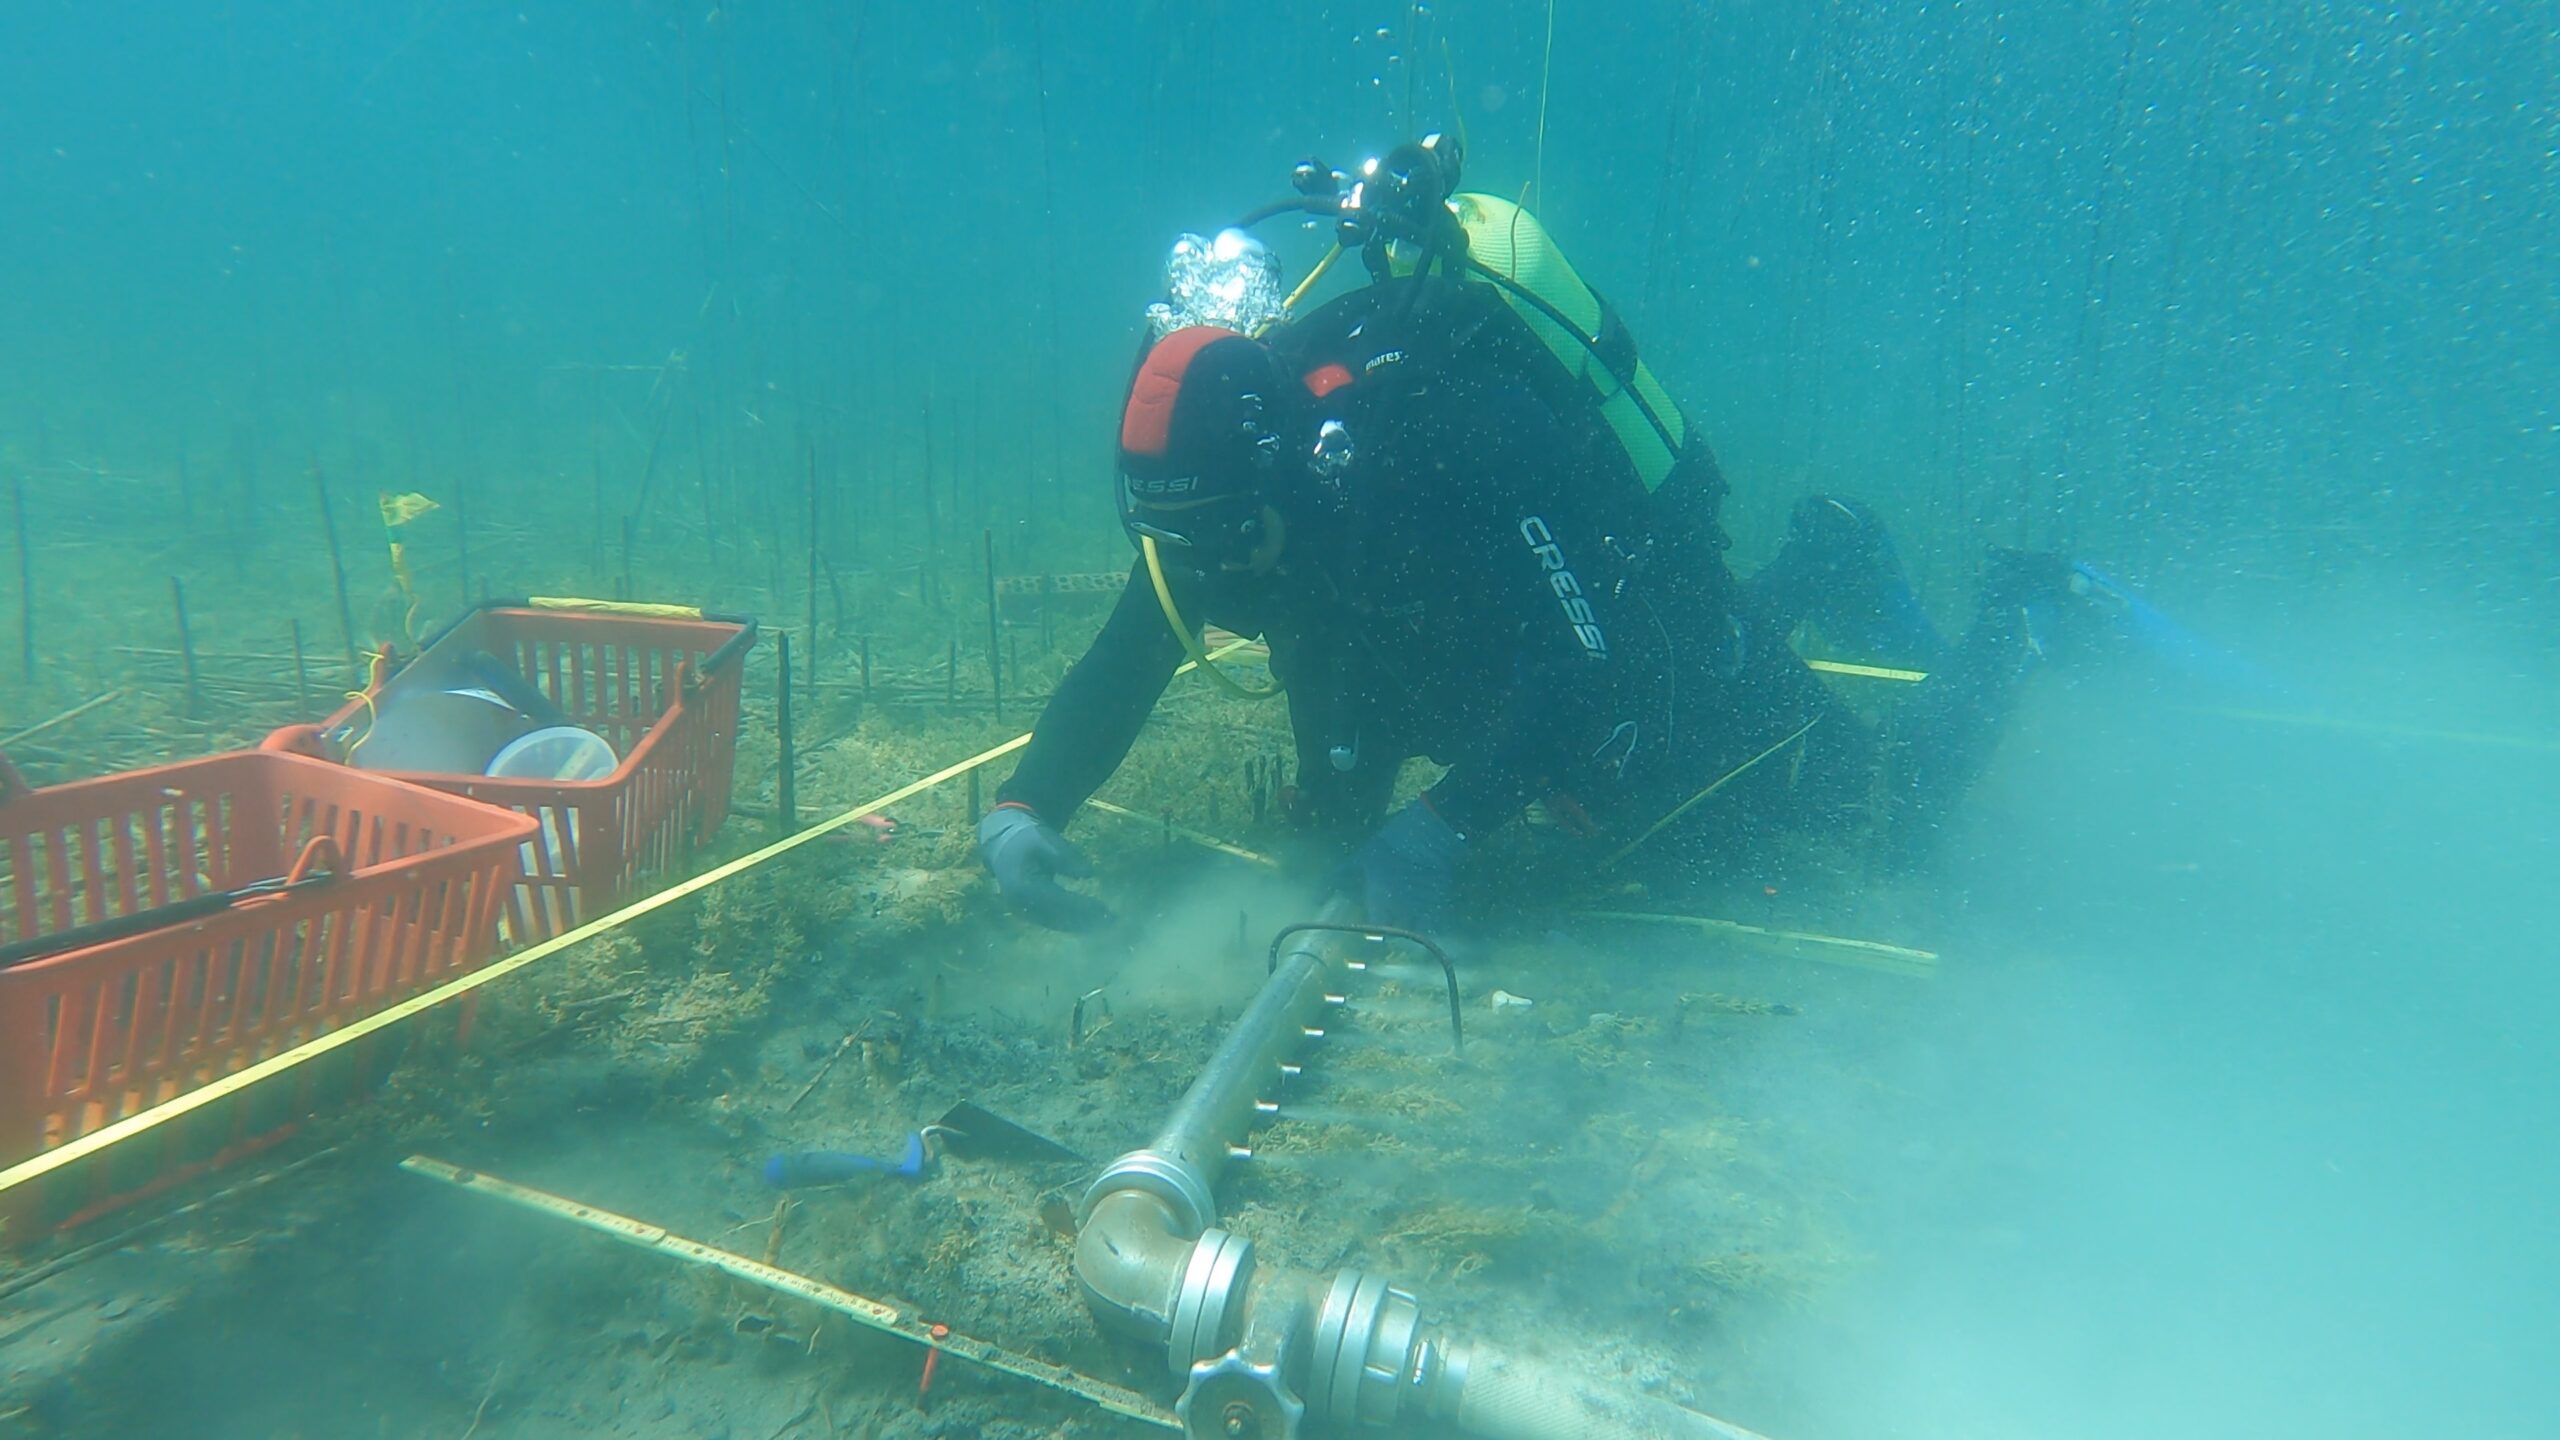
(399, 510)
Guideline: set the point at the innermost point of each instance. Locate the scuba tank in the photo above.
(1508, 248)
(1405, 216)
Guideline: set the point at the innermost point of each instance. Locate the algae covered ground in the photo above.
(2162, 1091)
(1593, 1173)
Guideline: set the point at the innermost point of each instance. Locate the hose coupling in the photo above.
(1368, 1351)
(1208, 1306)
(1186, 1196)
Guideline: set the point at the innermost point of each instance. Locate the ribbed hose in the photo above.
(1511, 1398)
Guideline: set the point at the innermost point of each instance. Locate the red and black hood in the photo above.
(1204, 419)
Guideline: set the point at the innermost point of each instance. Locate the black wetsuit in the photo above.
(1489, 586)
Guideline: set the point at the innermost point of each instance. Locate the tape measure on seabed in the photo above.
(862, 1310)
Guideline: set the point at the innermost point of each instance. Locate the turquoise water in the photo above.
(2184, 286)
(2242, 1124)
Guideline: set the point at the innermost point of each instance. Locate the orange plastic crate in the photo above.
(662, 691)
(94, 1034)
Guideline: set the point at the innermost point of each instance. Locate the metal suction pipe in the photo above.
(1265, 1352)
(1212, 1116)
(1140, 1216)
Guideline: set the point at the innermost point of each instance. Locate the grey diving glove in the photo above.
(1026, 856)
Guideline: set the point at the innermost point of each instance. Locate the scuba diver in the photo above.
(1471, 527)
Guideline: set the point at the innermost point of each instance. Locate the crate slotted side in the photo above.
(90, 1036)
(651, 688)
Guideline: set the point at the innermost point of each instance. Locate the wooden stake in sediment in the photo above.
(238, 515)
(595, 479)
(337, 560)
(995, 625)
(929, 580)
(835, 591)
(27, 584)
(951, 670)
(866, 669)
(649, 467)
(1049, 259)
(186, 647)
(786, 794)
(702, 482)
(773, 1230)
(813, 565)
(866, 483)
(826, 1065)
(301, 673)
(462, 534)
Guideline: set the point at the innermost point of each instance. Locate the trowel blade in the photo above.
(968, 1129)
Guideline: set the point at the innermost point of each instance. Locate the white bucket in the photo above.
(557, 752)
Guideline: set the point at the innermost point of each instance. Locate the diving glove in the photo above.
(1026, 856)
(1403, 875)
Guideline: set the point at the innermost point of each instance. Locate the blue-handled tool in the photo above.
(834, 1167)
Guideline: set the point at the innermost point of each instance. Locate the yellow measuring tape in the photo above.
(1727, 778)
(1865, 954)
(1191, 642)
(862, 1310)
(142, 1122)
(1869, 672)
(642, 609)
(1201, 838)
(2370, 727)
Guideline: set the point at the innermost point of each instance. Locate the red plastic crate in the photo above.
(659, 684)
(93, 1034)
